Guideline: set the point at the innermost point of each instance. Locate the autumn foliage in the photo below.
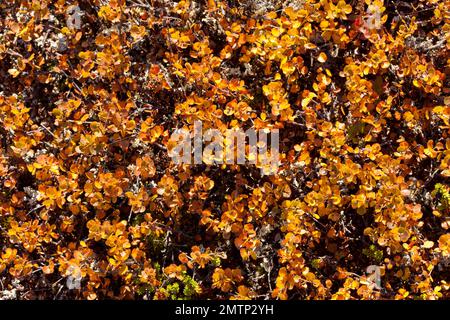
(90, 92)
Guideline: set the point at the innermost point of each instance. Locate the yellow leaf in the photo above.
(322, 57)
(428, 244)
(137, 32)
(14, 72)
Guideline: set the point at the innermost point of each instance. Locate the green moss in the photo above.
(316, 263)
(373, 253)
(216, 261)
(442, 194)
(185, 289)
(355, 130)
(191, 287)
